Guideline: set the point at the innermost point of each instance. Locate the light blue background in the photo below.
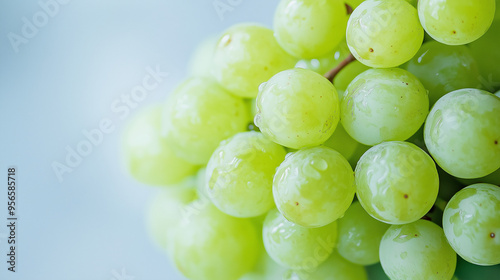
(64, 80)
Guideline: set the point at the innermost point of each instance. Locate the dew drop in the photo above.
(319, 164)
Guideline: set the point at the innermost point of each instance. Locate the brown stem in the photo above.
(332, 73)
(348, 8)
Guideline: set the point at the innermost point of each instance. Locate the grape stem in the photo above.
(440, 203)
(348, 8)
(332, 73)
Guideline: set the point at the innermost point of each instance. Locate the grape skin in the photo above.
(209, 244)
(297, 247)
(384, 34)
(443, 68)
(297, 108)
(165, 211)
(462, 133)
(150, 158)
(198, 115)
(418, 250)
(334, 268)
(396, 182)
(240, 173)
(472, 225)
(247, 55)
(309, 29)
(384, 105)
(456, 22)
(314, 187)
(360, 235)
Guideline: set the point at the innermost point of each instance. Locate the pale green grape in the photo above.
(396, 182)
(418, 250)
(384, 33)
(200, 63)
(497, 93)
(384, 104)
(240, 174)
(310, 28)
(462, 133)
(487, 54)
(359, 236)
(442, 68)
(297, 108)
(334, 268)
(198, 115)
(150, 158)
(297, 247)
(342, 143)
(472, 224)
(314, 187)
(456, 22)
(247, 55)
(325, 63)
(266, 269)
(212, 245)
(165, 211)
(347, 74)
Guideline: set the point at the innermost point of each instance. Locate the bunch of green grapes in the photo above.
(306, 153)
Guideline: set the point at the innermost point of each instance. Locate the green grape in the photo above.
(383, 105)
(314, 187)
(198, 115)
(442, 68)
(347, 74)
(266, 269)
(325, 63)
(297, 247)
(240, 174)
(359, 236)
(384, 34)
(334, 268)
(456, 22)
(247, 55)
(487, 54)
(472, 224)
(462, 133)
(308, 28)
(297, 108)
(396, 182)
(200, 63)
(418, 250)
(150, 158)
(342, 143)
(212, 245)
(165, 211)
(497, 93)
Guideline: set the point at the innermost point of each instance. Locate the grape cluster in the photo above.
(353, 133)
